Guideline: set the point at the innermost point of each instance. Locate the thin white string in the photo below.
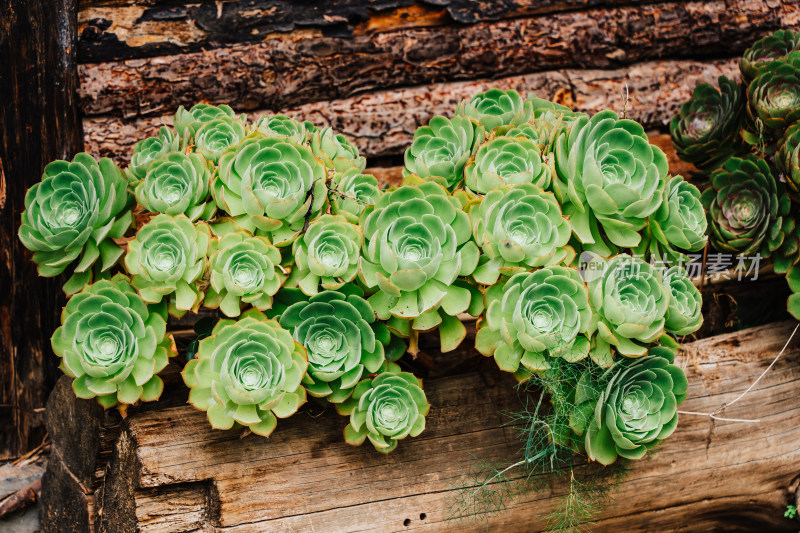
(713, 414)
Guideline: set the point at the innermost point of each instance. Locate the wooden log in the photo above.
(39, 123)
(171, 472)
(383, 123)
(289, 69)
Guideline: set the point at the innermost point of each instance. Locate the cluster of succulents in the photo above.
(537, 221)
(743, 138)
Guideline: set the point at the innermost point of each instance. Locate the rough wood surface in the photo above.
(286, 70)
(38, 123)
(171, 472)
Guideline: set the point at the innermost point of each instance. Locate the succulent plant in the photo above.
(793, 279)
(213, 137)
(243, 270)
(168, 257)
(608, 173)
(335, 151)
(326, 254)
(495, 108)
(518, 228)
(271, 185)
(787, 159)
(705, 132)
(417, 241)
(351, 192)
(632, 409)
(343, 340)
(776, 46)
(148, 150)
(75, 212)
(178, 183)
(441, 149)
(631, 302)
(282, 126)
(247, 372)
(187, 122)
(113, 344)
(507, 161)
(684, 313)
(773, 101)
(385, 409)
(535, 316)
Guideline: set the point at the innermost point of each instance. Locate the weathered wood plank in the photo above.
(286, 70)
(383, 122)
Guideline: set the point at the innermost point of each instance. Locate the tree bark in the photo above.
(39, 122)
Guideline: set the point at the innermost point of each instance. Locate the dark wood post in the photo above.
(39, 122)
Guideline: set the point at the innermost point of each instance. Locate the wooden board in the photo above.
(169, 471)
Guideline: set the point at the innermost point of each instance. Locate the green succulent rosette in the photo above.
(684, 313)
(772, 47)
(271, 186)
(335, 151)
(351, 192)
(178, 183)
(74, 213)
(705, 132)
(326, 255)
(212, 138)
(283, 126)
(343, 339)
(773, 102)
(787, 159)
(243, 270)
(385, 409)
(148, 150)
(518, 228)
(507, 161)
(441, 149)
(536, 316)
(495, 108)
(630, 300)
(188, 121)
(417, 241)
(168, 258)
(113, 344)
(247, 372)
(632, 407)
(609, 177)
(793, 279)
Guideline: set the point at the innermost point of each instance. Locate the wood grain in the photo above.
(171, 472)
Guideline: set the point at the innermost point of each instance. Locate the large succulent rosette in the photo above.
(518, 228)
(608, 175)
(247, 372)
(632, 407)
(507, 161)
(351, 192)
(188, 121)
(271, 185)
(684, 313)
(178, 183)
(773, 101)
(441, 149)
(168, 258)
(335, 151)
(74, 213)
(495, 108)
(343, 339)
(385, 409)
(326, 255)
(282, 126)
(705, 132)
(113, 344)
(536, 316)
(776, 46)
(148, 150)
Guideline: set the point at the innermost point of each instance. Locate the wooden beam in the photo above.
(289, 69)
(170, 471)
(39, 122)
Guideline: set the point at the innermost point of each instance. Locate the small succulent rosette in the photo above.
(763, 52)
(178, 183)
(495, 108)
(385, 409)
(518, 228)
(113, 343)
(351, 192)
(630, 408)
(335, 151)
(75, 213)
(243, 270)
(214, 137)
(248, 373)
(343, 339)
(271, 186)
(168, 258)
(188, 121)
(534, 317)
(787, 159)
(507, 161)
(326, 255)
(282, 126)
(773, 98)
(148, 150)
(684, 313)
